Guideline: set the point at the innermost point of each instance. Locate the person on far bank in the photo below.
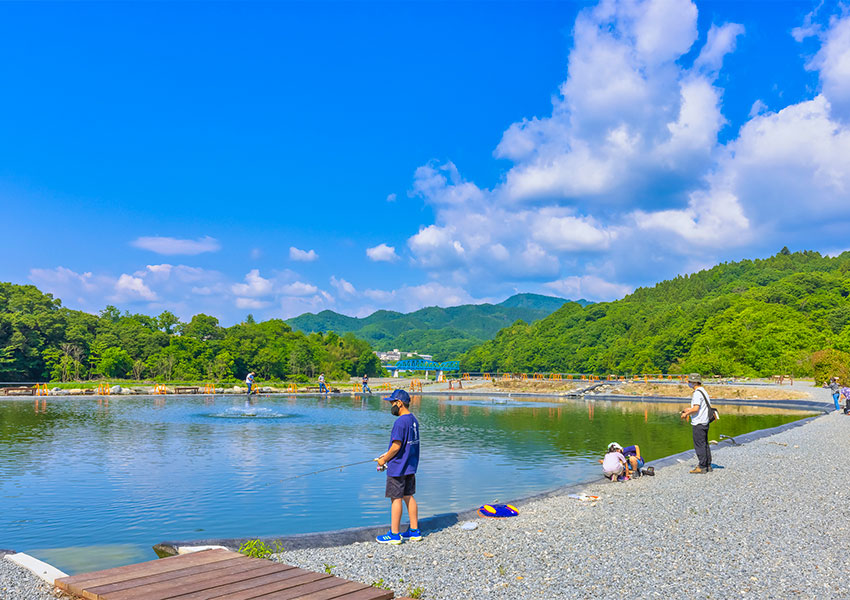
(401, 461)
(835, 388)
(366, 384)
(249, 381)
(322, 387)
(700, 406)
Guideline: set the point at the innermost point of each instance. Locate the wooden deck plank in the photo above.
(284, 584)
(296, 591)
(339, 591)
(153, 567)
(369, 593)
(283, 578)
(209, 569)
(215, 575)
(187, 585)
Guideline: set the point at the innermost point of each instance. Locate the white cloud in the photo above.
(391, 197)
(63, 278)
(302, 255)
(129, 288)
(589, 287)
(757, 108)
(627, 172)
(382, 296)
(833, 64)
(569, 233)
(382, 253)
(408, 298)
(343, 287)
(256, 253)
(169, 245)
(298, 288)
(81, 290)
(255, 285)
(721, 41)
(251, 303)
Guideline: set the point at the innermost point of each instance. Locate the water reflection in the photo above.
(138, 470)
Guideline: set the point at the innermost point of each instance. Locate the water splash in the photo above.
(251, 412)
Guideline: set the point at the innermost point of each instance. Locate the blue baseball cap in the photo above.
(399, 395)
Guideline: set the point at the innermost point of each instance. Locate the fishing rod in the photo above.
(340, 467)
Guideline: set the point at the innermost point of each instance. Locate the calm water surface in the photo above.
(88, 484)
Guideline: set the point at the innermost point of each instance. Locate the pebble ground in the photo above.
(769, 522)
(16, 583)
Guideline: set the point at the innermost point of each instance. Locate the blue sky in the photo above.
(277, 158)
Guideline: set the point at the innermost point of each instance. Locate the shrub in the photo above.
(830, 363)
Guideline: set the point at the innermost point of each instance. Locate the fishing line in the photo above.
(340, 467)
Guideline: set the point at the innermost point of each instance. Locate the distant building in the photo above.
(397, 355)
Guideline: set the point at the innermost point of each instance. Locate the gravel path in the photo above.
(16, 583)
(769, 524)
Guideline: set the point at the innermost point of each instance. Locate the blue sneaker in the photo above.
(389, 538)
(412, 535)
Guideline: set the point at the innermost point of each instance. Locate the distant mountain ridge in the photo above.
(442, 332)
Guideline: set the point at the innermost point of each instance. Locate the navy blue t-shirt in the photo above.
(406, 431)
(630, 451)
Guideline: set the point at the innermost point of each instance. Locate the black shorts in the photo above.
(398, 487)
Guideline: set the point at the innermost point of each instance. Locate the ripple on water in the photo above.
(251, 412)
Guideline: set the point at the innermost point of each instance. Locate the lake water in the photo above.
(88, 483)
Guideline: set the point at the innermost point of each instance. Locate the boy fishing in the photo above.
(400, 462)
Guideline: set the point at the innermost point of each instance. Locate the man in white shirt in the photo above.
(322, 387)
(699, 423)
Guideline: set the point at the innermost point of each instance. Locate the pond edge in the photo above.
(345, 537)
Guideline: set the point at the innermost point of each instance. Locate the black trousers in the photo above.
(701, 445)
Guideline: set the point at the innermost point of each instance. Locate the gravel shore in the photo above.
(16, 583)
(767, 523)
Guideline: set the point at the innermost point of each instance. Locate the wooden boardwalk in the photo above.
(218, 574)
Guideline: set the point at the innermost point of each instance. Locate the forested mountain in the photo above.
(444, 333)
(40, 340)
(754, 317)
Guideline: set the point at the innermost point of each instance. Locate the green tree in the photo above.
(115, 362)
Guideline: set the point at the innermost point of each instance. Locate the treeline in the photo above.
(786, 314)
(41, 340)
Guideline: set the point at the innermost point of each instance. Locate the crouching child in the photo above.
(614, 464)
(401, 461)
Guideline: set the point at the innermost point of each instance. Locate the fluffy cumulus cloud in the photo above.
(255, 285)
(629, 164)
(299, 255)
(129, 288)
(345, 288)
(173, 246)
(832, 62)
(382, 253)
